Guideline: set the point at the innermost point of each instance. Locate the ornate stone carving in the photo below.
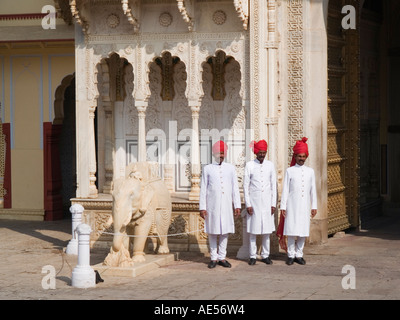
(79, 16)
(167, 64)
(218, 63)
(185, 7)
(112, 20)
(242, 8)
(295, 57)
(132, 12)
(219, 17)
(165, 19)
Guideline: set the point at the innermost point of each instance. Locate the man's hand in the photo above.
(283, 213)
(203, 213)
(313, 213)
(250, 210)
(237, 212)
(272, 210)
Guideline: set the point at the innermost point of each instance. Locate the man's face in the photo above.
(300, 158)
(261, 155)
(219, 156)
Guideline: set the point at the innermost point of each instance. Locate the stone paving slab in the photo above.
(27, 247)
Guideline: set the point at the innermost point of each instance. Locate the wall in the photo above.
(29, 77)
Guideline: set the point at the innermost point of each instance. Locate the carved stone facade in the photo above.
(163, 79)
(166, 79)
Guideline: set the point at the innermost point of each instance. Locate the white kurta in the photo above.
(298, 197)
(259, 186)
(219, 190)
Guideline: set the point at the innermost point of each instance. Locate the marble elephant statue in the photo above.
(141, 207)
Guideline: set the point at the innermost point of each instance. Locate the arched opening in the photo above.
(222, 114)
(59, 153)
(113, 100)
(67, 148)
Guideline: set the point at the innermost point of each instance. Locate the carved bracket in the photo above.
(242, 8)
(186, 9)
(77, 14)
(131, 9)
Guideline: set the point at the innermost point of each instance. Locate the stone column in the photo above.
(195, 155)
(271, 47)
(119, 149)
(142, 150)
(108, 160)
(315, 122)
(93, 193)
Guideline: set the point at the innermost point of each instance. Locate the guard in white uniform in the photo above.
(298, 201)
(219, 192)
(259, 186)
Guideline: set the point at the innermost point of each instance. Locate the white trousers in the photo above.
(265, 245)
(295, 248)
(218, 252)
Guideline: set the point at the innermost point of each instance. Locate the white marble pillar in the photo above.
(93, 193)
(83, 276)
(108, 141)
(315, 109)
(271, 47)
(119, 152)
(142, 150)
(76, 212)
(195, 155)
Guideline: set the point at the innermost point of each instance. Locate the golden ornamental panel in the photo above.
(343, 120)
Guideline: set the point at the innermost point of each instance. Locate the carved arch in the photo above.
(59, 98)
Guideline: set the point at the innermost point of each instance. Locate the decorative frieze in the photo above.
(295, 61)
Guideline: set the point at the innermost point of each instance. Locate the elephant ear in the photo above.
(136, 175)
(147, 197)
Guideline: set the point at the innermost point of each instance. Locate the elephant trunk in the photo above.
(121, 218)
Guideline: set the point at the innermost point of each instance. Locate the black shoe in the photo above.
(289, 261)
(267, 260)
(212, 264)
(252, 261)
(224, 263)
(300, 261)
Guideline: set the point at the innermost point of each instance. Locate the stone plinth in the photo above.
(153, 261)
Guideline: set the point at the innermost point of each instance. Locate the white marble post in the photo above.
(93, 193)
(83, 276)
(76, 211)
(195, 155)
(119, 150)
(142, 150)
(271, 46)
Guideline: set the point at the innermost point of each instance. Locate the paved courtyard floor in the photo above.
(358, 265)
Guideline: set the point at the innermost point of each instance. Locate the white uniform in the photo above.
(298, 197)
(219, 190)
(259, 186)
(219, 194)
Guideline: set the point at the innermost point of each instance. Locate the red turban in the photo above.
(300, 147)
(219, 146)
(259, 146)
